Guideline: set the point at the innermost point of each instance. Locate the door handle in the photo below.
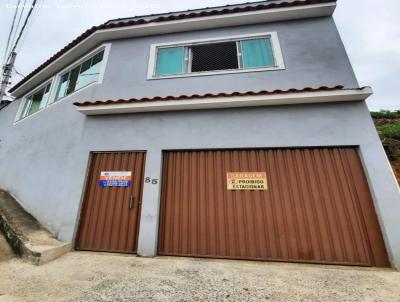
(131, 202)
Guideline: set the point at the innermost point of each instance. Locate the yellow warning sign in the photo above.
(247, 181)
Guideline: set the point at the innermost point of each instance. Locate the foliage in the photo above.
(386, 114)
(390, 130)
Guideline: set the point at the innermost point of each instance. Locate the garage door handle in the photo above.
(131, 201)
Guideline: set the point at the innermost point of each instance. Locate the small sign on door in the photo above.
(115, 178)
(247, 181)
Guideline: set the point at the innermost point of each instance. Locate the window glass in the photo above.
(73, 78)
(62, 86)
(85, 76)
(170, 61)
(36, 101)
(35, 106)
(90, 71)
(81, 76)
(27, 104)
(98, 58)
(257, 53)
(45, 97)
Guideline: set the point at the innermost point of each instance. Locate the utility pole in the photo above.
(7, 69)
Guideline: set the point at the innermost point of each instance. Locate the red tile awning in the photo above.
(262, 98)
(207, 95)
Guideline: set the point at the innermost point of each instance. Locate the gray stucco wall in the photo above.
(313, 53)
(44, 158)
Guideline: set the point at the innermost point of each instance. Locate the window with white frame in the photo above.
(36, 101)
(259, 52)
(80, 76)
(87, 70)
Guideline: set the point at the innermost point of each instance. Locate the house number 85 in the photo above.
(153, 181)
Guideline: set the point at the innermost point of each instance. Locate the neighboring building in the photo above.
(228, 132)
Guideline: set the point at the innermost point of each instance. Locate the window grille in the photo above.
(218, 56)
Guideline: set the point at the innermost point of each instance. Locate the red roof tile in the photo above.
(208, 95)
(171, 17)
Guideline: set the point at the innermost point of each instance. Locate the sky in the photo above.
(370, 30)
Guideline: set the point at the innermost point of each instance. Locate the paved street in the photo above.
(82, 276)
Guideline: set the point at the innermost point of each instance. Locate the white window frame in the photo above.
(276, 48)
(32, 92)
(106, 47)
(56, 79)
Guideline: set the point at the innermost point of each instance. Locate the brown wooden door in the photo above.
(111, 210)
(317, 207)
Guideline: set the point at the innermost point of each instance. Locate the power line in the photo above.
(10, 33)
(23, 27)
(18, 73)
(18, 23)
(8, 66)
(31, 22)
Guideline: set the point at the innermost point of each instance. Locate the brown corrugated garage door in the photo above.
(314, 207)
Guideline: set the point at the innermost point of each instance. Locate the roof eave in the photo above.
(339, 95)
(191, 24)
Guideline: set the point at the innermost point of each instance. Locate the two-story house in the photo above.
(229, 132)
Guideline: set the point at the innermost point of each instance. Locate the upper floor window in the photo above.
(240, 54)
(80, 76)
(87, 70)
(36, 101)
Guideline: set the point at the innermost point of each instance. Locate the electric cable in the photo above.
(18, 73)
(23, 28)
(10, 33)
(31, 22)
(18, 23)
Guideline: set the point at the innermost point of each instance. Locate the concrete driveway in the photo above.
(81, 276)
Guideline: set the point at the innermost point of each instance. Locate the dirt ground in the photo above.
(82, 276)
